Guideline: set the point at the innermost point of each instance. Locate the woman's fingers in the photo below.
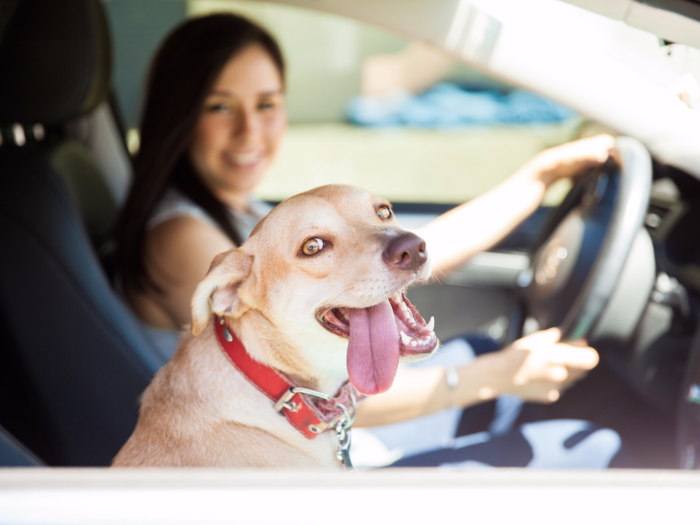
(543, 367)
(546, 346)
(573, 158)
(585, 358)
(541, 392)
(553, 395)
(543, 371)
(557, 373)
(539, 357)
(546, 391)
(575, 374)
(538, 339)
(594, 149)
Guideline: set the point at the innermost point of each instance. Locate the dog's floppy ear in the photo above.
(226, 273)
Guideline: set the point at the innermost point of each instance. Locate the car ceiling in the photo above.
(673, 20)
(604, 67)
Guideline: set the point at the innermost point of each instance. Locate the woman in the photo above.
(214, 118)
(213, 121)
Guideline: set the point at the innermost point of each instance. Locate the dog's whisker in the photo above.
(434, 274)
(433, 278)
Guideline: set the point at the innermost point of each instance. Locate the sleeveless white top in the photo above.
(175, 204)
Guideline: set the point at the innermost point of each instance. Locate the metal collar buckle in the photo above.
(342, 428)
(284, 401)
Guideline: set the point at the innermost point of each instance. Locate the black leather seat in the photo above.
(14, 454)
(73, 361)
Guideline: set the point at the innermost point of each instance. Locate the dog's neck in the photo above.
(314, 366)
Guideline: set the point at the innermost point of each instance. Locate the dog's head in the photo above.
(327, 270)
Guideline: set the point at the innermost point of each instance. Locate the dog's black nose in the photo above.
(406, 252)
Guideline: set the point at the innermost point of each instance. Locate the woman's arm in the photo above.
(177, 256)
(537, 368)
(479, 224)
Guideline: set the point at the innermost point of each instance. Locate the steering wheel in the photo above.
(592, 267)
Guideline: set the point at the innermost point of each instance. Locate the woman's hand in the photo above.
(538, 367)
(571, 159)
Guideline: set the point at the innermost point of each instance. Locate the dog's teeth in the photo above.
(397, 298)
(406, 340)
(414, 343)
(431, 324)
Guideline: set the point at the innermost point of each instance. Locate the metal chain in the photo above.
(343, 432)
(344, 439)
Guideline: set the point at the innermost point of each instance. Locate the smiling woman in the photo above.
(213, 120)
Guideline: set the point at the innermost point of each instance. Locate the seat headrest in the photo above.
(55, 61)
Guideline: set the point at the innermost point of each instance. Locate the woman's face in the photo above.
(241, 126)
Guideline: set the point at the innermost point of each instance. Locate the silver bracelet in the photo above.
(452, 377)
(452, 380)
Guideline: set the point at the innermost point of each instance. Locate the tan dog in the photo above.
(316, 294)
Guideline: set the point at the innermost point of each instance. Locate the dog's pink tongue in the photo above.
(373, 350)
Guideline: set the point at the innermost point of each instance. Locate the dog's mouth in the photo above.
(378, 336)
(416, 336)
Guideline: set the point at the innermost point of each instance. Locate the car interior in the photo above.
(74, 374)
(74, 361)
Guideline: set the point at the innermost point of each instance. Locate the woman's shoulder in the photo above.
(184, 237)
(180, 234)
(177, 254)
(174, 205)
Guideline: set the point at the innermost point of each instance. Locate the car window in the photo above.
(328, 58)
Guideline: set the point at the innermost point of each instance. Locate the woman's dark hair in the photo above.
(181, 75)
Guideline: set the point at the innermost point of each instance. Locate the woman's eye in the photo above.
(384, 212)
(218, 108)
(312, 246)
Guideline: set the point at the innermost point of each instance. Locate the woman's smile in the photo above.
(244, 160)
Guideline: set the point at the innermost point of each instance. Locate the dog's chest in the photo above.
(247, 407)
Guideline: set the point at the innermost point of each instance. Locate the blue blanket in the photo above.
(448, 105)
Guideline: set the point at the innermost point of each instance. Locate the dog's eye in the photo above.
(312, 246)
(384, 212)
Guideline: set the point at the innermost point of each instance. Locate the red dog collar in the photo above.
(310, 412)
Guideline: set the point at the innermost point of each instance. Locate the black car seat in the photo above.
(14, 454)
(99, 193)
(73, 361)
